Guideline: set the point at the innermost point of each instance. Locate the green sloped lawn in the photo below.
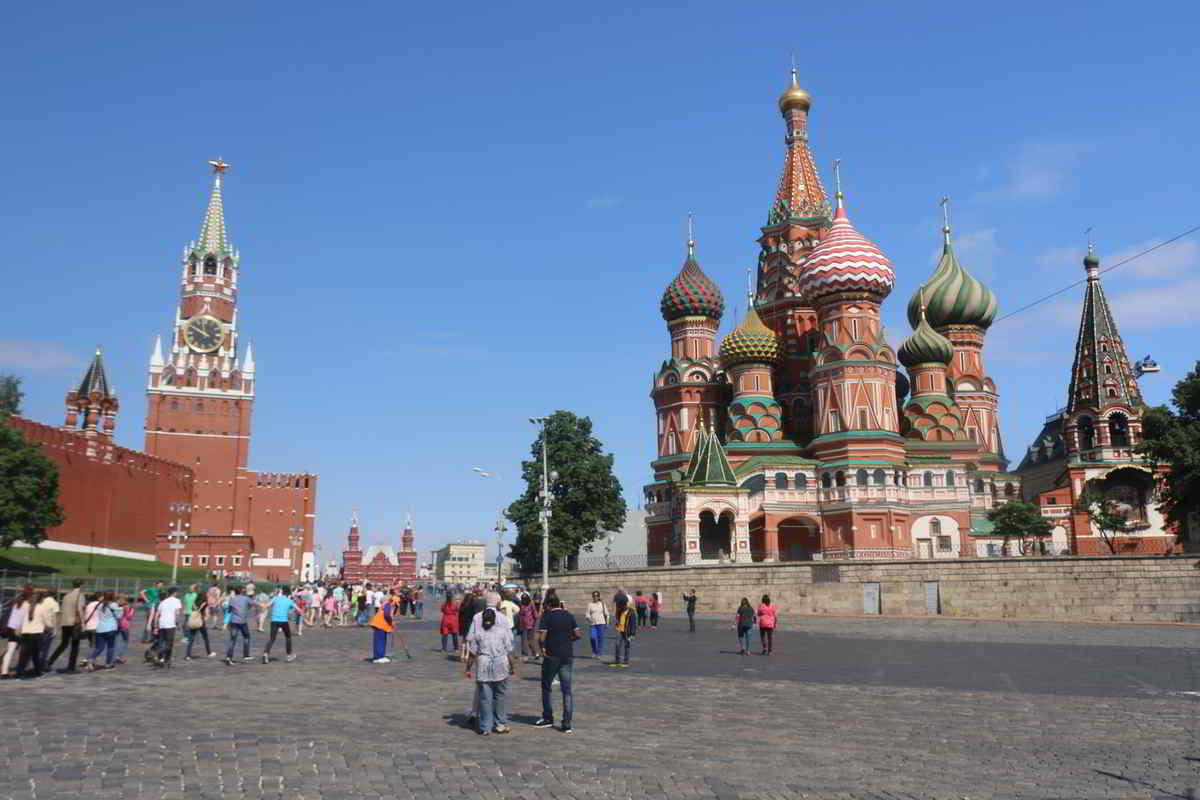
(61, 562)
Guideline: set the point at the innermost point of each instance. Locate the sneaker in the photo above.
(291, 658)
(502, 729)
(381, 661)
(187, 658)
(212, 655)
(615, 664)
(625, 665)
(566, 728)
(544, 723)
(483, 733)
(229, 662)
(247, 659)
(266, 659)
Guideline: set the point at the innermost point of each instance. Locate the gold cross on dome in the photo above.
(219, 166)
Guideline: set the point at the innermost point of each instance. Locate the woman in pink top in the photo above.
(766, 624)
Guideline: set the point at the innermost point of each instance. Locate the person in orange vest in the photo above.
(382, 623)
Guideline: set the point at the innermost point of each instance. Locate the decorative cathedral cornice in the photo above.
(1101, 374)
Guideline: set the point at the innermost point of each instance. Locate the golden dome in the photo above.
(794, 97)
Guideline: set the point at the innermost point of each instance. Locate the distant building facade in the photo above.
(461, 562)
(379, 563)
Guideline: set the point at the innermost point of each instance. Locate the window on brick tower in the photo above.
(935, 527)
(210, 265)
(270, 552)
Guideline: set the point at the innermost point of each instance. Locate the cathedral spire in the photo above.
(800, 194)
(212, 232)
(95, 381)
(1101, 374)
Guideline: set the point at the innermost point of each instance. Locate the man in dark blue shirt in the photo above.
(557, 633)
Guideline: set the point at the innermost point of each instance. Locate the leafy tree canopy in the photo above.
(1018, 519)
(1104, 514)
(28, 490)
(1171, 438)
(586, 495)
(10, 395)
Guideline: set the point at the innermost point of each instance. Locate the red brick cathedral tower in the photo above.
(199, 399)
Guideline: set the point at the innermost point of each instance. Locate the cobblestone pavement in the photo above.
(843, 709)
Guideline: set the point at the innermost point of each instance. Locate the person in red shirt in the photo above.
(767, 617)
(450, 623)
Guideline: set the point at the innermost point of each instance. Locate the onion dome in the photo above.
(925, 346)
(952, 295)
(794, 97)
(846, 261)
(692, 293)
(750, 341)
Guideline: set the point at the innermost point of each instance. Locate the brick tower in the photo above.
(92, 408)
(199, 401)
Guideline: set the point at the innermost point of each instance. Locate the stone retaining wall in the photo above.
(1108, 589)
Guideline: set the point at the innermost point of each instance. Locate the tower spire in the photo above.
(1101, 374)
(800, 194)
(213, 238)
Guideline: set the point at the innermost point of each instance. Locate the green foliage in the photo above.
(1171, 438)
(1019, 520)
(1105, 517)
(10, 396)
(70, 564)
(587, 496)
(28, 490)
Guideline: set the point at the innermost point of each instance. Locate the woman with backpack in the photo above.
(197, 625)
(744, 619)
(108, 619)
(767, 615)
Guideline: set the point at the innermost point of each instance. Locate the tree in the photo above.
(1019, 520)
(586, 495)
(1171, 439)
(28, 490)
(1103, 514)
(10, 396)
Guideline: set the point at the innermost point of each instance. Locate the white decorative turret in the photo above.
(248, 361)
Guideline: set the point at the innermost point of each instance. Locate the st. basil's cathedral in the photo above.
(799, 437)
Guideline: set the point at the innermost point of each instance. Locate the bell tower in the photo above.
(200, 394)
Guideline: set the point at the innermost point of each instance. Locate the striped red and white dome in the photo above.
(846, 261)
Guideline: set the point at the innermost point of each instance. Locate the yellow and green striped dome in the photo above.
(750, 341)
(925, 346)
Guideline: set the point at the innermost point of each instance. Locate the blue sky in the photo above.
(453, 218)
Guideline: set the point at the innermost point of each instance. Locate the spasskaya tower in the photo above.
(199, 400)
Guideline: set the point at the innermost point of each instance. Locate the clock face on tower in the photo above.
(204, 333)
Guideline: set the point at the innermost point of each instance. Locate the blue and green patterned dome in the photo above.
(953, 296)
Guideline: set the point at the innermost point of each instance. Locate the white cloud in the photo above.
(978, 251)
(1157, 306)
(1176, 258)
(1038, 171)
(36, 356)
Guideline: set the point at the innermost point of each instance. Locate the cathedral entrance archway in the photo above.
(716, 535)
(799, 539)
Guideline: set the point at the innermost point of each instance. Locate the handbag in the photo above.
(195, 621)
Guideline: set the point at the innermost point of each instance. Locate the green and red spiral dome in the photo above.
(691, 294)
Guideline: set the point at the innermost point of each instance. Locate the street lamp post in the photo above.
(177, 535)
(295, 540)
(544, 512)
(500, 529)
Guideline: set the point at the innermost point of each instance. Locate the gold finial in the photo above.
(691, 242)
(794, 97)
(219, 166)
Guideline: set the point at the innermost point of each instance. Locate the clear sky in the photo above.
(455, 217)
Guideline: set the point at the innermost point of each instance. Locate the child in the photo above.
(640, 605)
(626, 628)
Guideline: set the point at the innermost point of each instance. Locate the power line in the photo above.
(1134, 257)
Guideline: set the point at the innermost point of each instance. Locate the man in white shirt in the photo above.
(166, 620)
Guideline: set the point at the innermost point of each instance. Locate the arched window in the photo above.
(1087, 433)
(949, 478)
(210, 265)
(860, 478)
(1112, 392)
(979, 486)
(200, 406)
(1009, 490)
(801, 480)
(898, 477)
(781, 481)
(839, 478)
(1108, 369)
(1118, 430)
(174, 405)
(879, 478)
(935, 527)
(826, 481)
(928, 479)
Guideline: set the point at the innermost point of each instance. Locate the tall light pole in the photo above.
(177, 535)
(544, 513)
(296, 540)
(500, 529)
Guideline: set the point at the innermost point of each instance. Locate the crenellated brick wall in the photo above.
(1107, 589)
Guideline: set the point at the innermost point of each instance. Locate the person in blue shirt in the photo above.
(280, 609)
